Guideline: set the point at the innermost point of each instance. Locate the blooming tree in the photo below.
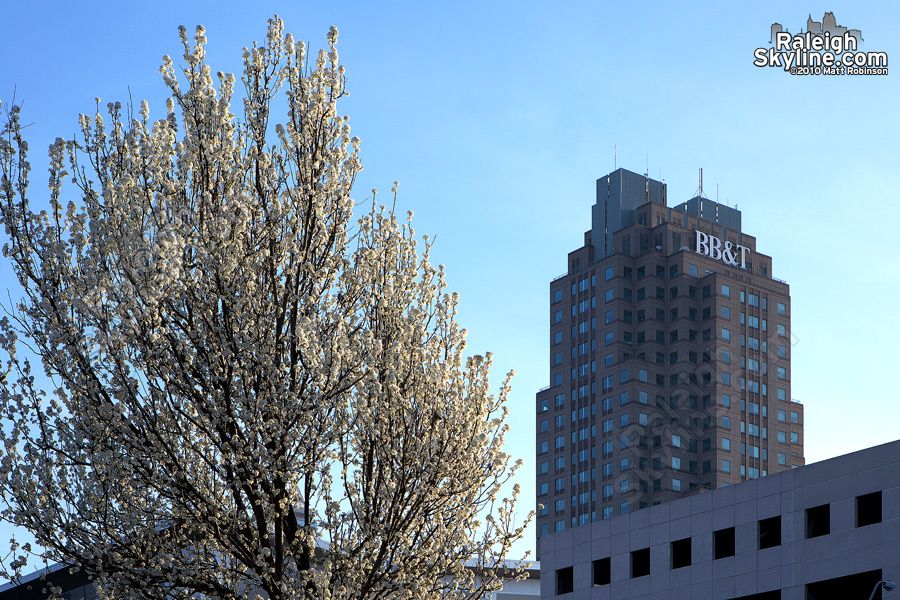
(253, 394)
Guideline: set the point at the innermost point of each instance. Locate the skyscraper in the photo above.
(669, 360)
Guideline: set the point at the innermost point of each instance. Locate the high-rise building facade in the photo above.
(669, 360)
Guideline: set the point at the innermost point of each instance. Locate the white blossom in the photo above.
(254, 393)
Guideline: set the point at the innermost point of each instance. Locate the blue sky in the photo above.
(497, 118)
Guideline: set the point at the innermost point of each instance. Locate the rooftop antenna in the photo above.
(717, 203)
(615, 157)
(647, 180)
(700, 212)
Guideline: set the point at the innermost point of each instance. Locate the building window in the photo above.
(782, 309)
(726, 466)
(726, 378)
(726, 444)
(726, 313)
(723, 543)
(610, 294)
(868, 509)
(795, 417)
(676, 463)
(681, 553)
(782, 416)
(818, 521)
(769, 533)
(640, 562)
(564, 577)
(602, 571)
(782, 458)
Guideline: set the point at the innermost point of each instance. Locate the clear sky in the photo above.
(498, 117)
